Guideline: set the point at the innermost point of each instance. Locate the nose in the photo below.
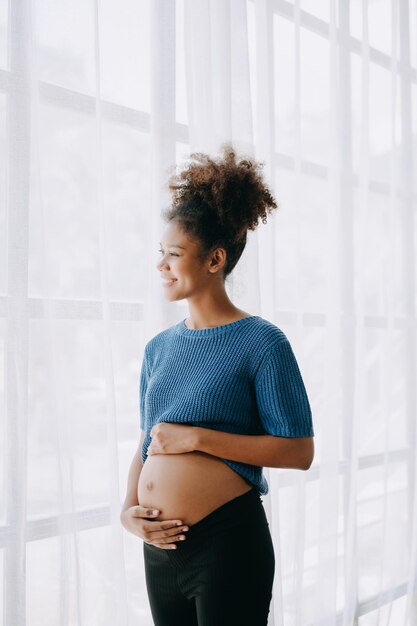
(161, 262)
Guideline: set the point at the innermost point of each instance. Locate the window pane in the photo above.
(125, 52)
(391, 613)
(181, 107)
(68, 430)
(414, 130)
(67, 184)
(380, 121)
(315, 97)
(301, 270)
(44, 581)
(127, 196)
(4, 168)
(380, 22)
(63, 218)
(382, 530)
(3, 330)
(318, 8)
(382, 425)
(4, 34)
(284, 86)
(65, 40)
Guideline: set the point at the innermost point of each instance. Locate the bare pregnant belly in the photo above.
(188, 486)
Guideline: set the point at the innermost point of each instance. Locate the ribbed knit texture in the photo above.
(240, 377)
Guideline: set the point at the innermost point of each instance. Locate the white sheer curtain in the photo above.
(97, 100)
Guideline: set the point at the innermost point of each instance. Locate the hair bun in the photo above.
(219, 199)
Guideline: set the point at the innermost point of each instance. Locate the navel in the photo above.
(149, 485)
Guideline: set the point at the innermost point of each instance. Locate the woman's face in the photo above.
(181, 271)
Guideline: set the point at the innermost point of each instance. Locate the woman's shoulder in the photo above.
(262, 338)
(160, 338)
(266, 332)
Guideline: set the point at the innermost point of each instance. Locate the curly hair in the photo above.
(216, 201)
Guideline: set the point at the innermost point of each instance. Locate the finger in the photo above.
(173, 534)
(167, 525)
(142, 511)
(167, 545)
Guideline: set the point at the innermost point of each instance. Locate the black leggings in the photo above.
(221, 575)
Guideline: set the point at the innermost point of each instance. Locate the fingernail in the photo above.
(155, 512)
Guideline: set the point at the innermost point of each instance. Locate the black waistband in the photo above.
(234, 511)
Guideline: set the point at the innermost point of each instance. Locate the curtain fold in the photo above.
(98, 100)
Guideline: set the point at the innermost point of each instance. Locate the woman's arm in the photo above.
(133, 477)
(261, 450)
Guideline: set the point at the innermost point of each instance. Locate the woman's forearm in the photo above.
(261, 450)
(135, 469)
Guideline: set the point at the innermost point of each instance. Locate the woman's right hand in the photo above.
(157, 533)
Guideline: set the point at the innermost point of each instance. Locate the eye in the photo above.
(171, 253)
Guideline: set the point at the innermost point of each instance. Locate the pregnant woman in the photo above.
(221, 397)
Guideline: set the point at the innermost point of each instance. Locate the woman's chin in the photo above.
(172, 298)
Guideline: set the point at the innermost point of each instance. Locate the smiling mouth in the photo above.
(168, 283)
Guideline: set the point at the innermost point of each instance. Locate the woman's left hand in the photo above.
(168, 438)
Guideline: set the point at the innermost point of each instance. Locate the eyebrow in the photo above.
(173, 245)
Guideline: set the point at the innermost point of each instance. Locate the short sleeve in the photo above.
(283, 405)
(143, 385)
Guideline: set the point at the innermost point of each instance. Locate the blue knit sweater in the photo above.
(240, 377)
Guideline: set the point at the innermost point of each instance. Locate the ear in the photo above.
(218, 260)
